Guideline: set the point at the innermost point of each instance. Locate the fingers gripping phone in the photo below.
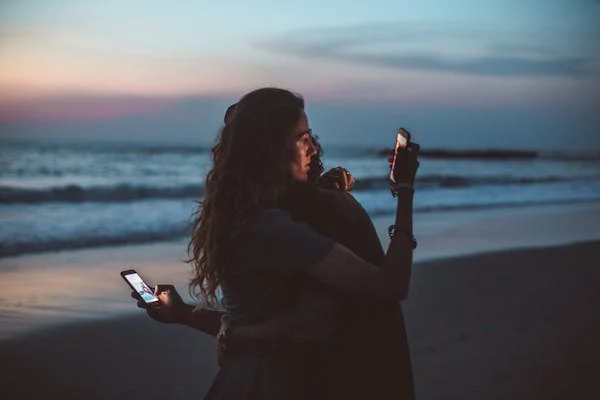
(137, 283)
(402, 141)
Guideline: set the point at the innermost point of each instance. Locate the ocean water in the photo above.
(58, 196)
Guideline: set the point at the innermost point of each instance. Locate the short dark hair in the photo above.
(316, 164)
(229, 113)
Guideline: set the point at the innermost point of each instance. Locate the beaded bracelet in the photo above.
(393, 229)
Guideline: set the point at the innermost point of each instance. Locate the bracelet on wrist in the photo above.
(393, 231)
(396, 187)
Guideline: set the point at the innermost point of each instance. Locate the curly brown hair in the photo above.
(250, 171)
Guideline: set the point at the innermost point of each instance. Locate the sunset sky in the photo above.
(464, 73)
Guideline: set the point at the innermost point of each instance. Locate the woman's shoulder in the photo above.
(268, 222)
(273, 241)
(339, 202)
(269, 218)
(309, 196)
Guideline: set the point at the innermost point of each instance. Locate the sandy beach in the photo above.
(505, 323)
(518, 324)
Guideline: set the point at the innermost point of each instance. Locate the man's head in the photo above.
(316, 164)
(229, 114)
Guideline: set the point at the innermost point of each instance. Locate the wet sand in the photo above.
(516, 324)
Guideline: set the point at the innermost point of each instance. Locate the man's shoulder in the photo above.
(337, 198)
(326, 206)
(338, 215)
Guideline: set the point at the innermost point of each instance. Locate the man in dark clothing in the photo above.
(368, 354)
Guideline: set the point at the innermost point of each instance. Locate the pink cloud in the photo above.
(81, 108)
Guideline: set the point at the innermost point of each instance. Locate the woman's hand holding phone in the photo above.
(171, 309)
(404, 162)
(407, 164)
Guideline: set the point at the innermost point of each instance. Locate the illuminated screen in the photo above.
(400, 142)
(140, 286)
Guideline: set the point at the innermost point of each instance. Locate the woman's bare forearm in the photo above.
(202, 319)
(312, 319)
(399, 257)
(343, 269)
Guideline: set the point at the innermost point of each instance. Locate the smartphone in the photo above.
(135, 281)
(402, 140)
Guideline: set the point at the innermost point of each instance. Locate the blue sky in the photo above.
(457, 73)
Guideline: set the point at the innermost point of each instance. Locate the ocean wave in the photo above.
(336, 150)
(486, 206)
(457, 181)
(570, 155)
(93, 240)
(129, 193)
(78, 194)
(98, 238)
(480, 154)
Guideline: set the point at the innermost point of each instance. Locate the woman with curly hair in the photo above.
(244, 243)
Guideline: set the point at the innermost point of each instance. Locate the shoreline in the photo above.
(131, 312)
(515, 324)
(42, 290)
(426, 215)
(459, 233)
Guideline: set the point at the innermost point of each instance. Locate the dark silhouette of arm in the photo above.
(344, 270)
(312, 319)
(203, 319)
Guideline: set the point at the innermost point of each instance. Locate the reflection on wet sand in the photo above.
(47, 289)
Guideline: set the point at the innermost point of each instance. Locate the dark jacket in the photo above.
(368, 356)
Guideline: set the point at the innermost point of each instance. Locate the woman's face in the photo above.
(303, 150)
